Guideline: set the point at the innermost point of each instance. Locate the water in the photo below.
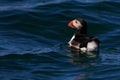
(34, 36)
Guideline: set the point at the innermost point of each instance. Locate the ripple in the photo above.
(106, 72)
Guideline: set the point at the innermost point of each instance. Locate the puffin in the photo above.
(81, 40)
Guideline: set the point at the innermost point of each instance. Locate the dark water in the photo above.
(34, 36)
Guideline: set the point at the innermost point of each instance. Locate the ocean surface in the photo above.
(34, 36)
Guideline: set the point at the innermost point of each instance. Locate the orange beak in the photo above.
(70, 24)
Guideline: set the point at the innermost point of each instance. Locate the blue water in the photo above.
(34, 36)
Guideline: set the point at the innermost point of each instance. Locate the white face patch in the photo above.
(77, 24)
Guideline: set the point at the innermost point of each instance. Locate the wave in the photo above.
(27, 4)
(12, 5)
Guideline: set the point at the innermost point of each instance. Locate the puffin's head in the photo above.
(77, 23)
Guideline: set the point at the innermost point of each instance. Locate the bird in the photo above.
(81, 40)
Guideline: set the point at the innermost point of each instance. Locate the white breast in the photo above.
(71, 45)
(71, 40)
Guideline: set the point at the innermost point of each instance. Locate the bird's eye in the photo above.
(76, 22)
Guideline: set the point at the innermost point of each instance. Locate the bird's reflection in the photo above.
(83, 57)
(80, 57)
(85, 60)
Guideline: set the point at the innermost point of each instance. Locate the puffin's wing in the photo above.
(85, 39)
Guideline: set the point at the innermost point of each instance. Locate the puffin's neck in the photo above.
(81, 31)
